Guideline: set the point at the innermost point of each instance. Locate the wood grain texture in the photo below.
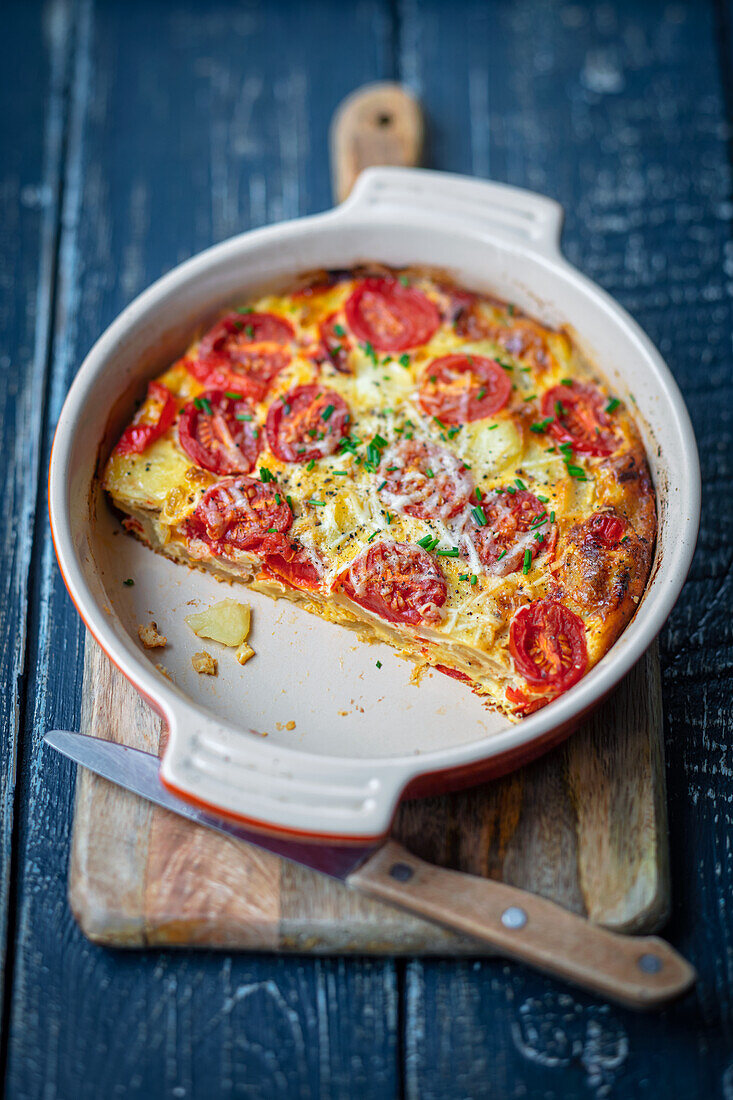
(380, 124)
(180, 130)
(30, 171)
(530, 929)
(585, 827)
(617, 111)
(185, 124)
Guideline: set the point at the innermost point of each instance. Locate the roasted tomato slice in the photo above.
(390, 316)
(305, 423)
(241, 513)
(335, 344)
(605, 529)
(547, 642)
(295, 566)
(460, 388)
(425, 480)
(397, 581)
(244, 352)
(217, 432)
(154, 417)
(579, 419)
(515, 523)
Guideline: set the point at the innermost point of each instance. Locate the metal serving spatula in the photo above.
(641, 972)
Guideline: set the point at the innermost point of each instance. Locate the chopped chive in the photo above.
(492, 428)
(372, 536)
(318, 503)
(453, 553)
(439, 422)
(541, 425)
(129, 582)
(503, 365)
(453, 432)
(479, 515)
(265, 475)
(328, 412)
(527, 561)
(543, 500)
(340, 473)
(576, 472)
(404, 360)
(520, 484)
(272, 531)
(559, 409)
(250, 330)
(429, 472)
(612, 405)
(427, 542)
(369, 352)
(474, 578)
(233, 396)
(481, 394)
(289, 499)
(311, 464)
(404, 280)
(339, 330)
(510, 309)
(243, 416)
(380, 487)
(203, 404)
(530, 398)
(278, 498)
(566, 381)
(478, 494)
(379, 664)
(501, 555)
(244, 309)
(552, 517)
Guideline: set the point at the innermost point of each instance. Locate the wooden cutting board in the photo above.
(585, 826)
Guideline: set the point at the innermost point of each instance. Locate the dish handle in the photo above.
(511, 212)
(241, 775)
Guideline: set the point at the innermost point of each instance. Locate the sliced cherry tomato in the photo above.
(515, 523)
(605, 529)
(390, 316)
(579, 419)
(295, 566)
(217, 432)
(335, 344)
(153, 418)
(425, 480)
(454, 673)
(459, 388)
(241, 513)
(397, 581)
(307, 422)
(526, 704)
(547, 642)
(244, 352)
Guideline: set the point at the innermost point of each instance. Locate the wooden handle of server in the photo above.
(637, 971)
(377, 124)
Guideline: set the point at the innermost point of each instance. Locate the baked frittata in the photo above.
(420, 463)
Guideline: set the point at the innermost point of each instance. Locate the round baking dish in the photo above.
(489, 237)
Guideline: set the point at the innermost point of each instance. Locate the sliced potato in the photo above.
(227, 622)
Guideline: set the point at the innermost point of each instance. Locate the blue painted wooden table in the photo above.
(136, 133)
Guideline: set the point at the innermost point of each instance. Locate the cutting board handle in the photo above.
(378, 124)
(637, 971)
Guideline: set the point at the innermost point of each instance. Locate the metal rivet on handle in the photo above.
(514, 917)
(650, 964)
(401, 872)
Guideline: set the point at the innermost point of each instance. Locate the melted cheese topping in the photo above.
(341, 505)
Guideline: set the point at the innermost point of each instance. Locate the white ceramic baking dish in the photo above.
(363, 736)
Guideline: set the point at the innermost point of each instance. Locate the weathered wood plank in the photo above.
(187, 123)
(617, 111)
(32, 115)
